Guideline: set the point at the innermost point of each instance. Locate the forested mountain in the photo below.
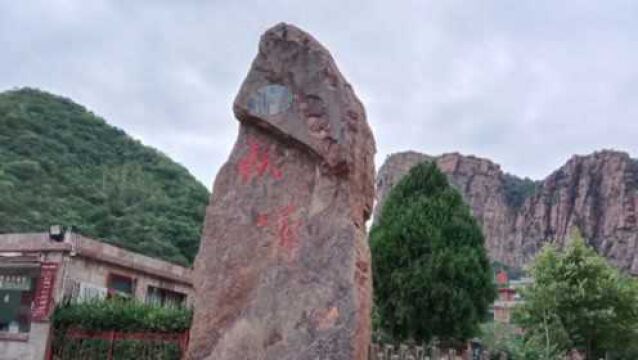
(61, 164)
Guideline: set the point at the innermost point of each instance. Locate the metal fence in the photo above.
(415, 352)
(76, 344)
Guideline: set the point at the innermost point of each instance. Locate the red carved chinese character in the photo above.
(256, 162)
(287, 230)
(284, 227)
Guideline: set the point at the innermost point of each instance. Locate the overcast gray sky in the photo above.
(524, 83)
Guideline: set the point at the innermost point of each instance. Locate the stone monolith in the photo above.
(283, 270)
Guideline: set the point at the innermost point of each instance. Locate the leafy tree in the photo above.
(60, 164)
(580, 301)
(432, 277)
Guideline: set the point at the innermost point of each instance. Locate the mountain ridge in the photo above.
(597, 192)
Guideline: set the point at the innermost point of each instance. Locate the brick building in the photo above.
(40, 270)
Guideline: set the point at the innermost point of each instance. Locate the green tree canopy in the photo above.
(580, 301)
(60, 164)
(432, 277)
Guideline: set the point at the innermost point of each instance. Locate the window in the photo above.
(17, 288)
(120, 285)
(164, 297)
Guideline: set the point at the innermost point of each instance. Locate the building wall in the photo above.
(95, 272)
(34, 346)
(502, 313)
(32, 349)
(84, 260)
(73, 269)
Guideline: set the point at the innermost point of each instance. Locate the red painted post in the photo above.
(183, 342)
(111, 345)
(49, 352)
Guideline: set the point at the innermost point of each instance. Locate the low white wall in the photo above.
(32, 349)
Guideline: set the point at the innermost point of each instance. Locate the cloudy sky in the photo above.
(524, 83)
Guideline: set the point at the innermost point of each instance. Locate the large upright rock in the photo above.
(283, 271)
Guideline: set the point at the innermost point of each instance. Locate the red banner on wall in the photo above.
(43, 298)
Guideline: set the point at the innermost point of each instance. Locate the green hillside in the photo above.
(61, 164)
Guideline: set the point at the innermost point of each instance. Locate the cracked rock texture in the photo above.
(598, 193)
(283, 270)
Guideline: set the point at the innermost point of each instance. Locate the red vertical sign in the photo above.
(44, 291)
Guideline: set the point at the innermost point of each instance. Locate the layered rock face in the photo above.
(597, 193)
(283, 271)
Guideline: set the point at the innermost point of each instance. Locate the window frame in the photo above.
(163, 292)
(113, 291)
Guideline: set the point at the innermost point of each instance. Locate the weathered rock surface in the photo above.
(598, 193)
(283, 271)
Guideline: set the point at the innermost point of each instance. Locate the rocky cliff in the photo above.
(598, 193)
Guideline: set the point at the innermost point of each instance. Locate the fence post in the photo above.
(111, 345)
(183, 342)
(49, 352)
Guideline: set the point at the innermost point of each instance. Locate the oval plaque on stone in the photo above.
(270, 100)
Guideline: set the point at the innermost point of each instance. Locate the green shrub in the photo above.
(518, 190)
(121, 315)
